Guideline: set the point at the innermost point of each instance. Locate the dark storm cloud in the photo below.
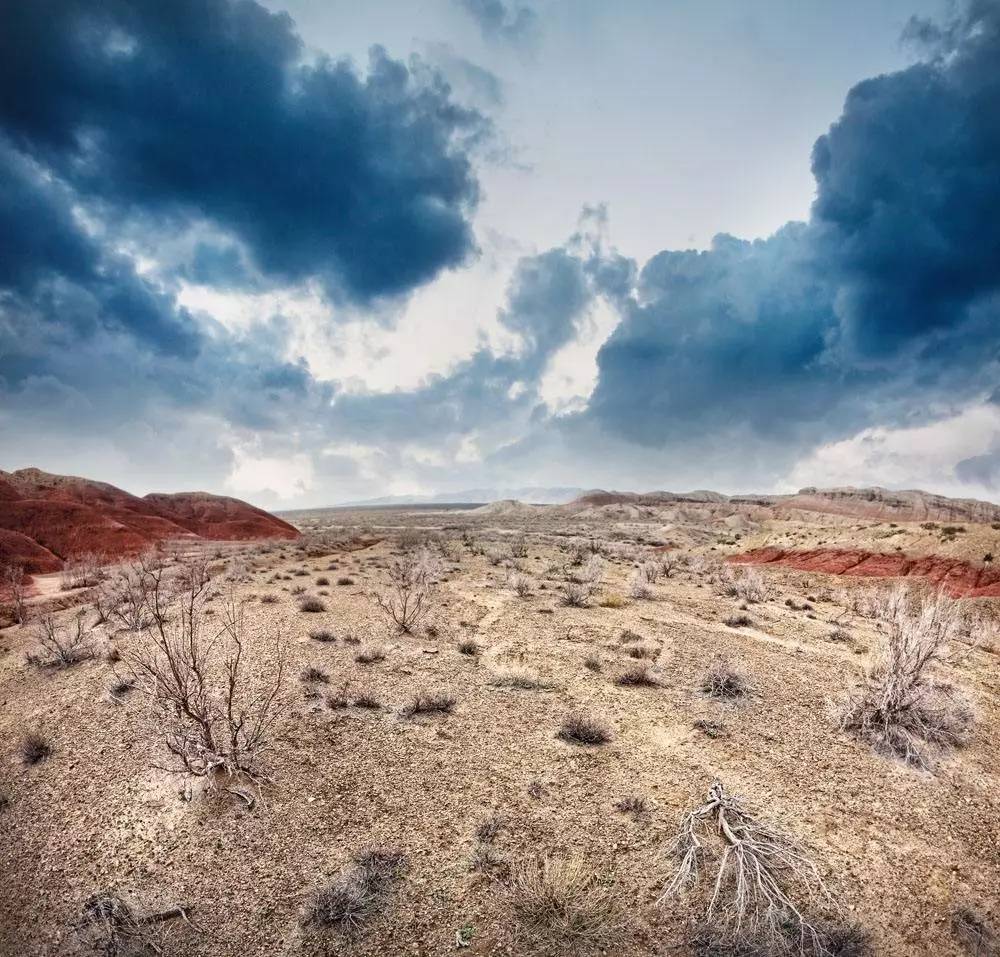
(883, 307)
(499, 20)
(198, 111)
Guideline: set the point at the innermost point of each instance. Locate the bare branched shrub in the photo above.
(764, 881)
(82, 571)
(137, 595)
(592, 572)
(576, 594)
(62, 647)
(650, 571)
(519, 546)
(411, 579)
(639, 588)
(581, 728)
(747, 584)
(563, 905)
(519, 583)
(430, 702)
(722, 680)
(217, 717)
(901, 708)
(14, 586)
(357, 893)
(977, 938)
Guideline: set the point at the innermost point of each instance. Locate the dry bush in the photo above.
(576, 594)
(14, 586)
(764, 882)
(371, 654)
(83, 571)
(739, 621)
(35, 748)
(723, 681)
(747, 584)
(411, 579)
(632, 804)
(322, 635)
(901, 708)
(593, 662)
(469, 647)
(519, 583)
(581, 728)
(518, 676)
(639, 588)
(430, 702)
(592, 572)
(138, 593)
(217, 716)
(358, 893)
(561, 905)
(311, 604)
(650, 571)
(312, 675)
(62, 648)
(612, 600)
(639, 675)
(643, 650)
(268, 599)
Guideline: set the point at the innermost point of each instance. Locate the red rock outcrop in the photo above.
(960, 579)
(63, 516)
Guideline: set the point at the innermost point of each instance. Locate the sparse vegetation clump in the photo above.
(116, 928)
(902, 708)
(430, 702)
(746, 584)
(518, 676)
(639, 675)
(722, 680)
(581, 728)
(322, 635)
(563, 905)
(739, 621)
(411, 581)
(62, 647)
(470, 647)
(576, 594)
(371, 654)
(311, 604)
(35, 748)
(359, 892)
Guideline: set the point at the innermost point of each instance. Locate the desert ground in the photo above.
(482, 825)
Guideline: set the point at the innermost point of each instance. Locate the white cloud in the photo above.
(254, 475)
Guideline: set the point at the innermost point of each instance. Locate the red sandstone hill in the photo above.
(45, 519)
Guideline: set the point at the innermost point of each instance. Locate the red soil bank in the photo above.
(45, 519)
(960, 579)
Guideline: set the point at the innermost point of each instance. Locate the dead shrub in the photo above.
(518, 676)
(976, 936)
(643, 651)
(520, 584)
(638, 676)
(469, 647)
(357, 894)
(576, 594)
(723, 681)
(322, 635)
(763, 882)
(739, 621)
(411, 580)
(14, 585)
(268, 599)
(563, 905)
(114, 928)
(639, 588)
(62, 648)
(216, 716)
(592, 663)
(612, 600)
(900, 707)
(314, 676)
(581, 728)
(81, 571)
(632, 804)
(371, 654)
(747, 584)
(311, 604)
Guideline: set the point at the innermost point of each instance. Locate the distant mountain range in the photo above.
(533, 494)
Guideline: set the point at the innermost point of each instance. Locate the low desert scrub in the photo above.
(322, 635)
(358, 893)
(121, 687)
(764, 882)
(469, 647)
(430, 702)
(633, 804)
(639, 675)
(519, 583)
(112, 926)
(723, 681)
(311, 604)
(642, 650)
(217, 715)
(322, 581)
(371, 654)
(268, 599)
(747, 584)
(612, 600)
(345, 580)
(900, 707)
(312, 675)
(35, 748)
(581, 728)
(576, 594)
(14, 587)
(593, 663)
(518, 676)
(83, 571)
(62, 648)
(562, 905)
(739, 621)
(840, 635)
(411, 581)
(639, 588)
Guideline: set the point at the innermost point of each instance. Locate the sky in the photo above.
(309, 252)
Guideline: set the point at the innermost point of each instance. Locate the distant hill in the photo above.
(534, 495)
(46, 518)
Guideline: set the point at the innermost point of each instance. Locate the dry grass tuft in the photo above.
(311, 605)
(518, 676)
(371, 654)
(724, 681)
(562, 905)
(469, 647)
(430, 702)
(581, 728)
(323, 635)
(976, 936)
(357, 894)
(639, 675)
(35, 748)
(900, 708)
